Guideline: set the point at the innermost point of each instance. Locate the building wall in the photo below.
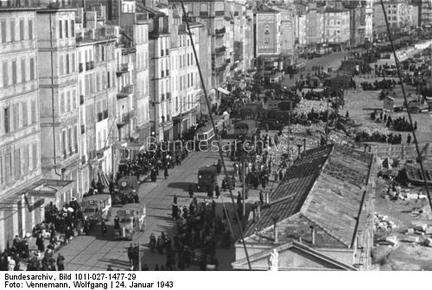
(268, 33)
(287, 32)
(20, 139)
(314, 25)
(369, 20)
(426, 12)
(337, 27)
(58, 91)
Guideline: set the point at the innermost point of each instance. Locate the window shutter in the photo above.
(23, 70)
(12, 30)
(30, 29)
(32, 69)
(21, 26)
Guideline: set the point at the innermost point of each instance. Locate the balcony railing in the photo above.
(124, 67)
(89, 65)
(125, 92)
(220, 32)
(99, 116)
(221, 49)
(124, 119)
(82, 129)
(81, 67)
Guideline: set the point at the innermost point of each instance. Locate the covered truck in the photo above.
(131, 219)
(96, 207)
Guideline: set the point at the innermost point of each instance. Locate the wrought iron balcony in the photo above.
(124, 67)
(89, 65)
(220, 32)
(220, 50)
(125, 92)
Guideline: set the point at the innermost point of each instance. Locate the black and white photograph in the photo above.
(212, 135)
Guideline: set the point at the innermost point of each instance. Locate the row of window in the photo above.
(69, 141)
(19, 163)
(66, 28)
(96, 82)
(67, 63)
(8, 30)
(182, 60)
(68, 101)
(17, 71)
(185, 84)
(17, 116)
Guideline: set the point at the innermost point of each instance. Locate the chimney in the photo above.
(299, 150)
(313, 234)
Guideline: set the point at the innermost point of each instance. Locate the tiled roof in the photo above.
(323, 189)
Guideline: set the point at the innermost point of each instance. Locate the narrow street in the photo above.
(95, 253)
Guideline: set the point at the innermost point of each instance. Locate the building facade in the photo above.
(337, 26)
(59, 110)
(267, 32)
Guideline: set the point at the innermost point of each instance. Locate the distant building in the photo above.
(320, 217)
(398, 16)
(267, 32)
(426, 13)
(315, 24)
(337, 26)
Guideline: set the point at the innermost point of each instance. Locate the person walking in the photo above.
(409, 139)
(60, 262)
(130, 253)
(166, 172)
(103, 227)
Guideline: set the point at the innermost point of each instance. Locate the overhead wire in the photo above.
(419, 157)
(185, 19)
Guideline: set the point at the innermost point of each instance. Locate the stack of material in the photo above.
(381, 223)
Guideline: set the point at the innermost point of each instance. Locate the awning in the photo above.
(223, 91)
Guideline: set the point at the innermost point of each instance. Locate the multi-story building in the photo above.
(59, 109)
(357, 19)
(159, 73)
(337, 26)
(369, 20)
(398, 16)
(315, 24)
(267, 32)
(212, 15)
(135, 25)
(426, 13)
(287, 37)
(185, 83)
(300, 27)
(97, 93)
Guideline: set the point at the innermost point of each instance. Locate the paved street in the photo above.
(95, 252)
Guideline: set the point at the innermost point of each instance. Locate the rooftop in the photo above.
(323, 189)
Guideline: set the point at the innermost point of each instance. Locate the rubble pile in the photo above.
(420, 233)
(306, 106)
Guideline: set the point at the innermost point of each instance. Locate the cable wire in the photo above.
(419, 157)
(216, 133)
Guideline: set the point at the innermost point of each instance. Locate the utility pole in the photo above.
(244, 189)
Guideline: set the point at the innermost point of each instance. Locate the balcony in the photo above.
(128, 50)
(105, 114)
(158, 31)
(220, 50)
(141, 18)
(89, 65)
(125, 92)
(81, 67)
(82, 129)
(220, 32)
(124, 119)
(99, 116)
(220, 68)
(124, 67)
(81, 99)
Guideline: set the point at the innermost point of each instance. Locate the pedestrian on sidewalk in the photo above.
(217, 191)
(166, 172)
(60, 262)
(103, 227)
(130, 253)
